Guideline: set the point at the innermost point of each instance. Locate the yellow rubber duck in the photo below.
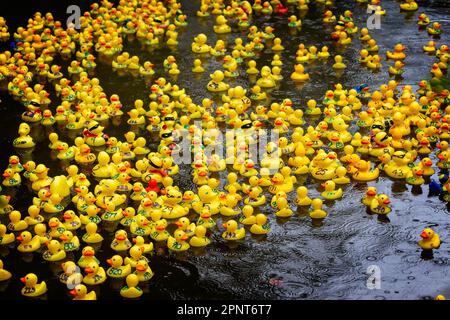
(178, 241)
(284, 210)
(6, 238)
(216, 84)
(260, 226)
(299, 73)
(302, 196)
(435, 29)
(247, 216)
(398, 53)
(430, 239)
(338, 64)
(199, 238)
(277, 45)
(117, 269)
(330, 192)
(171, 208)
(24, 140)
(398, 167)
(111, 213)
(221, 25)
(69, 242)
(317, 212)
(120, 241)
(143, 271)
(145, 247)
(131, 289)
(266, 81)
(363, 171)
(430, 47)
(426, 166)
(54, 252)
(409, 5)
(312, 109)
(71, 220)
(11, 178)
(199, 45)
(380, 204)
(415, 176)
(91, 235)
(105, 192)
(159, 232)
(340, 177)
(91, 215)
(370, 194)
(95, 274)
(423, 20)
(232, 232)
(140, 226)
(87, 256)
(294, 22)
(185, 225)
(4, 274)
(80, 293)
(32, 287)
(198, 68)
(16, 223)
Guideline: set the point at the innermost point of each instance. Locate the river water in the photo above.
(297, 260)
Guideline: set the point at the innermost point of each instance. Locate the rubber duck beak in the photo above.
(140, 267)
(6, 175)
(371, 193)
(23, 280)
(429, 163)
(88, 270)
(160, 228)
(120, 237)
(224, 225)
(88, 253)
(441, 156)
(179, 224)
(323, 185)
(19, 238)
(424, 235)
(184, 237)
(109, 261)
(387, 201)
(63, 238)
(419, 173)
(73, 292)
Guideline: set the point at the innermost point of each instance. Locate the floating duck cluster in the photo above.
(122, 185)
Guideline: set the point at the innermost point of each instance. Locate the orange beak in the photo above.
(6, 175)
(424, 235)
(387, 201)
(184, 237)
(88, 270)
(179, 224)
(23, 280)
(63, 237)
(120, 237)
(160, 228)
(224, 225)
(73, 293)
(20, 238)
(371, 193)
(140, 267)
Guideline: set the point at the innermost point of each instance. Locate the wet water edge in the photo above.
(297, 260)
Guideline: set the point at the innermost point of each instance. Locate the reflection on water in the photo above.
(299, 259)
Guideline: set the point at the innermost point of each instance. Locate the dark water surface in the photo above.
(297, 260)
